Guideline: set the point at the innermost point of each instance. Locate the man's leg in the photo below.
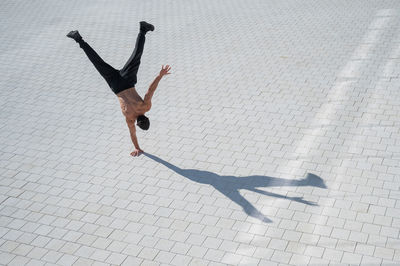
(107, 71)
(104, 69)
(129, 71)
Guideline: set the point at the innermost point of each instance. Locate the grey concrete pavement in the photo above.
(275, 141)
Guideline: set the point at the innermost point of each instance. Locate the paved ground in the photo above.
(275, 141)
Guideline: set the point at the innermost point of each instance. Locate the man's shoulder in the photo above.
(147, 105)
(130, 121)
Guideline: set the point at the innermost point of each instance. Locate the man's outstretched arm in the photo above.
(153, 86)
(132, 131)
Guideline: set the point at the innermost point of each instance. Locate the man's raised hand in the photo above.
(165, 70)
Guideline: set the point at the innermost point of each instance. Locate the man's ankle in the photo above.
(75, 36)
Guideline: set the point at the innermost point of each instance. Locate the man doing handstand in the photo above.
(122, 82)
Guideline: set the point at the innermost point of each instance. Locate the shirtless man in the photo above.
(122, 82)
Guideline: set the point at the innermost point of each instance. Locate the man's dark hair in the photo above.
(143, 122)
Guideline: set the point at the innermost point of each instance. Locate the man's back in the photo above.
(132, 105)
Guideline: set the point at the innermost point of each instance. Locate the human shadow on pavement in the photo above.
(230, 185)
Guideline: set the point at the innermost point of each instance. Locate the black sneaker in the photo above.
(145, 27)
(75, 35)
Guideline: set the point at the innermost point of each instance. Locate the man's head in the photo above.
(143, 122)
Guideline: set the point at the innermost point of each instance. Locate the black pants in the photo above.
(118, 80)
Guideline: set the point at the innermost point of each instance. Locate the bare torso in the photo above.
(132, 105)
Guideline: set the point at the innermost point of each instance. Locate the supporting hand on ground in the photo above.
(136, 152)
